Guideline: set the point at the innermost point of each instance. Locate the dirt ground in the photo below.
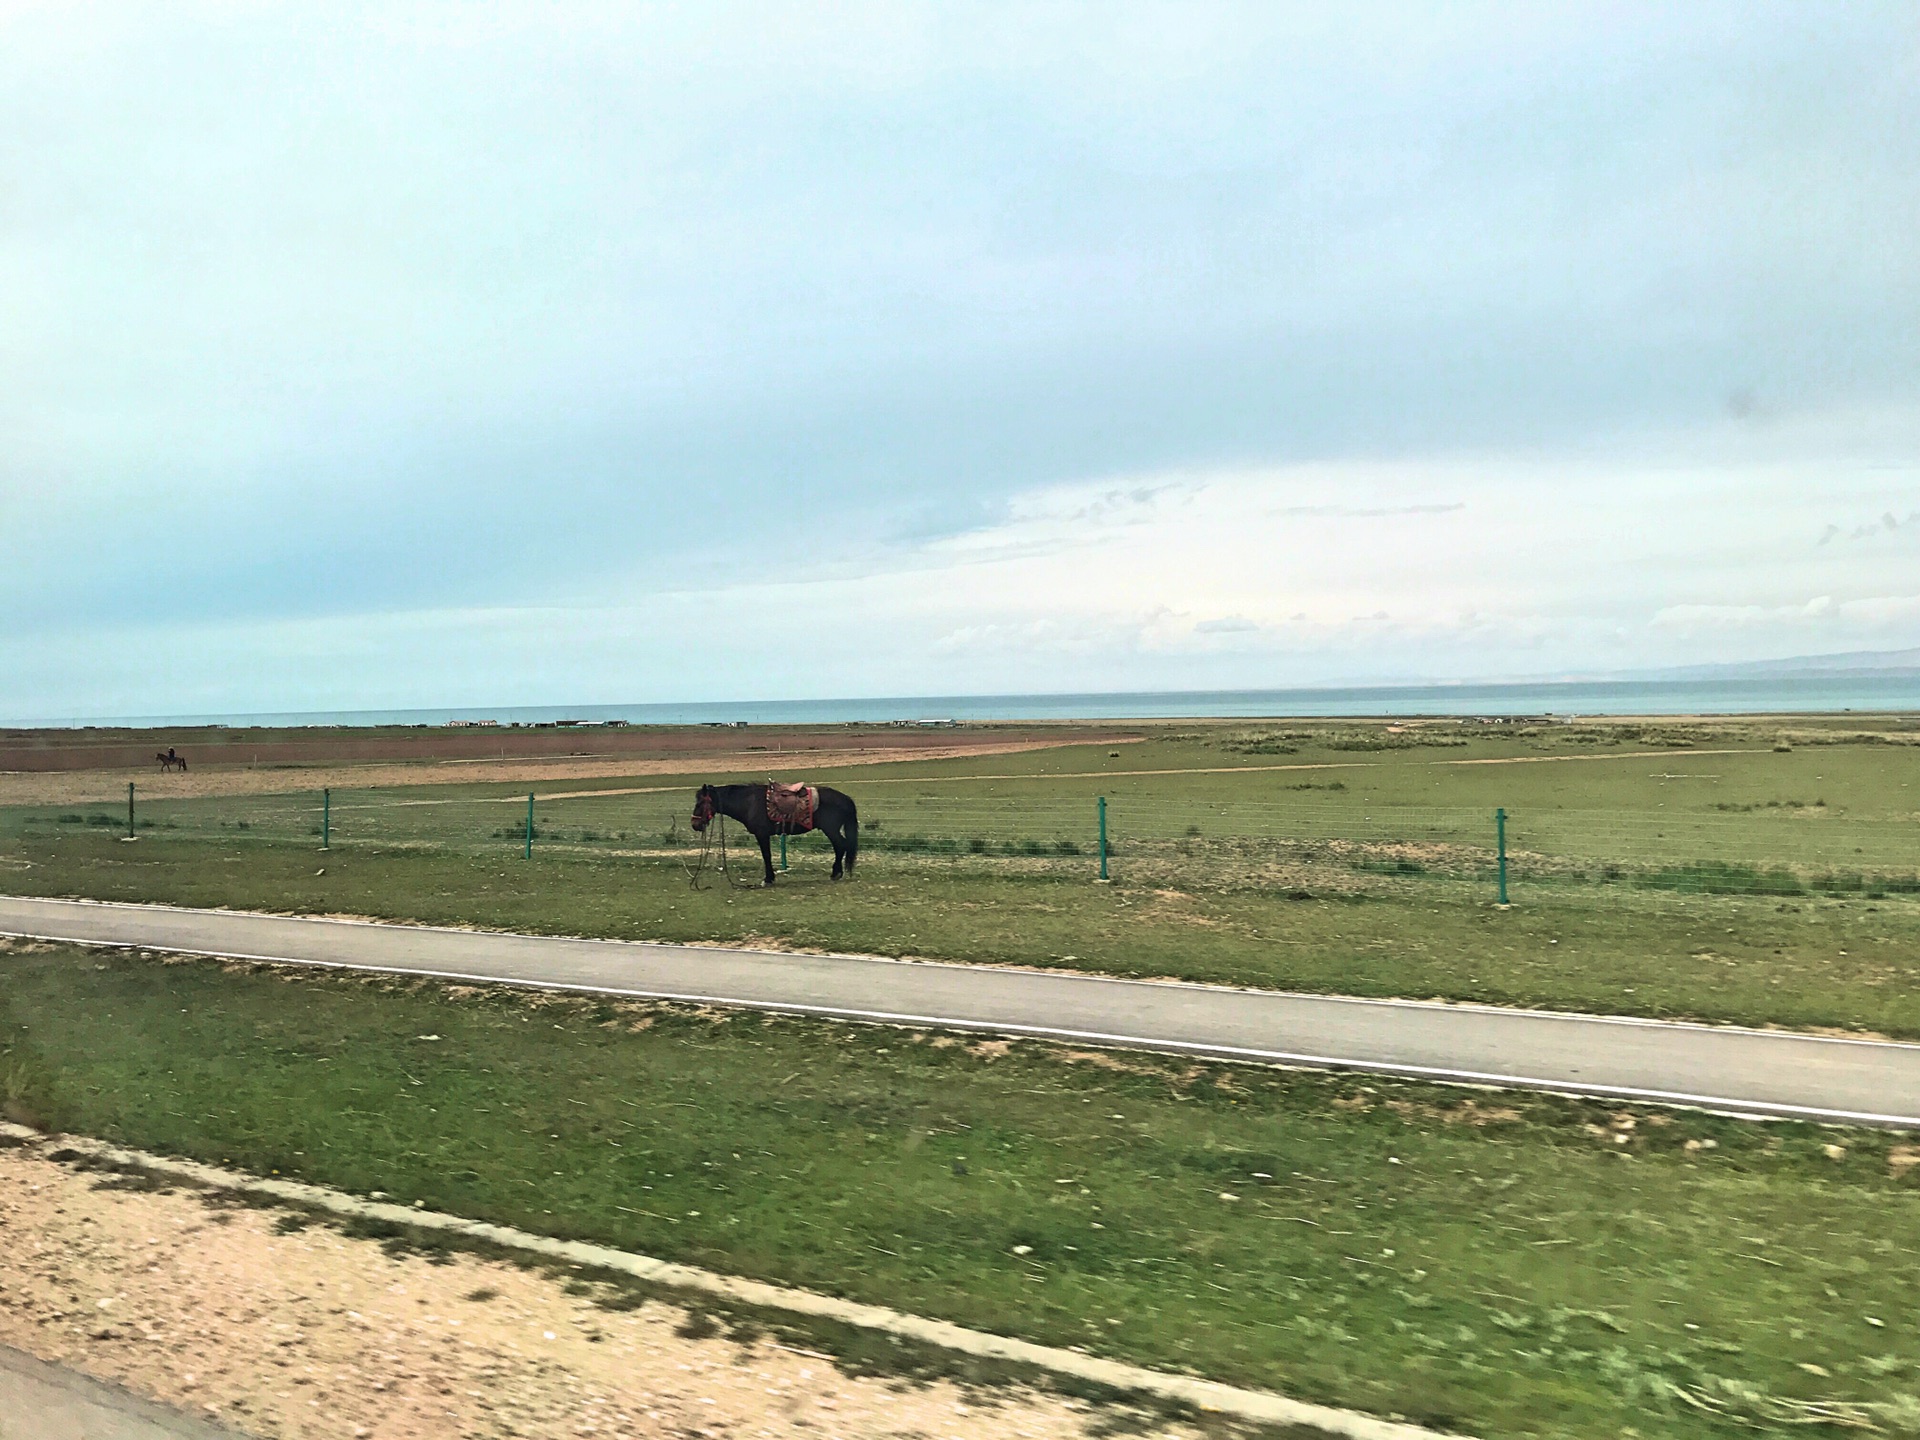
(108, 785)
(239, 747)
(220, 1309)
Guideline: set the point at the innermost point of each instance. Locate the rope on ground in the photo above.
(699, 866)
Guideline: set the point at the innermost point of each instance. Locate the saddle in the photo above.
(791, 806)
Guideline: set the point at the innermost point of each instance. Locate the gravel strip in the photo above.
(187, 1298)
(1112, 1376)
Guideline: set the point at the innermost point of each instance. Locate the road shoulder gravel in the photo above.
(178, 1281)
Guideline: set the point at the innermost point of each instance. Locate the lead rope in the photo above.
(698, 867)
(736, 884)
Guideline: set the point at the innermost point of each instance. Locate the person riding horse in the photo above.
(170, 759)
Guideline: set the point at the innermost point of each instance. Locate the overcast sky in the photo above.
(567, 354)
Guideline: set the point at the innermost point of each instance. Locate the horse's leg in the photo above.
(832, 832)
(765, 837)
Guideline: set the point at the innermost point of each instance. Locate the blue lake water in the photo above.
(1801, 694)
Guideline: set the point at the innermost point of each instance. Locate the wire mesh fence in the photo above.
(1275, 837)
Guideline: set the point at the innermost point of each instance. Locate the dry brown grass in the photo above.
(108, 784)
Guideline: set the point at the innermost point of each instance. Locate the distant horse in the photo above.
(833, 815)
(169, 761)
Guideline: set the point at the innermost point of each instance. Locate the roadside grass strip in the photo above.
(1803, 962)
(1473, 1263)
(418, 1228)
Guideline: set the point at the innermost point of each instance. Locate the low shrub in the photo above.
(1721, 877)
(1839, 882)
(1396, 865)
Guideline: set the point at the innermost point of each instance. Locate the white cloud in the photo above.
(412, 353)
(1240, 577)
(1892, 620)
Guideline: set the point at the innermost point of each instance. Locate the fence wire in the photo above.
(1772, 849)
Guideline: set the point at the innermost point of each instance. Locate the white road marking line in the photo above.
(1238, 1052)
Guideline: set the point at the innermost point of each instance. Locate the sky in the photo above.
(417, 355)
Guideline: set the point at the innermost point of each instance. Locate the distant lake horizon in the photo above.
(1808, 694)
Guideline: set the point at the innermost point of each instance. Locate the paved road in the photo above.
(1750, 1071)
(39, 1401)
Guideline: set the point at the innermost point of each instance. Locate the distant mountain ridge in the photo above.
(1852, 662)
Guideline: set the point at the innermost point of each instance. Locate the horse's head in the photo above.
(702, 808)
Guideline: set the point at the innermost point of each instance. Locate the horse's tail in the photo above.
(852, 832)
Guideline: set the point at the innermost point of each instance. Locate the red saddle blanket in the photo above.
(791, 805)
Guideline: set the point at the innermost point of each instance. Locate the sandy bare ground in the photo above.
(80, 787)
(310, 1335)
(110, 786)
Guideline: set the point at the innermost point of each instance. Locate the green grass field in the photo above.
(1647, 903)
(1229, 803)
(1492, 1263)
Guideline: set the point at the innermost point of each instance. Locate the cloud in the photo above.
(1349, 512)
(1797, 624)
(1318, 574)
(441, 331)
(1887, 524)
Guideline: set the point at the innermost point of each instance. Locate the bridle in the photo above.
(702, 809)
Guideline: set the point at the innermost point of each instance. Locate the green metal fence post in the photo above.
(1103, 837)
(783, 849)
(129, 809)
(1500, 827)
(326, 819)
(529, 854)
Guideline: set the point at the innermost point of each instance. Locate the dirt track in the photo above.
(220, 747)
(75, 787)
(219, 1310)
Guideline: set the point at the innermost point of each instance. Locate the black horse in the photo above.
(834, 816)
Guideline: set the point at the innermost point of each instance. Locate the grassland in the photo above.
(1366, 867)
(1848, 964)
(1494, 1264)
